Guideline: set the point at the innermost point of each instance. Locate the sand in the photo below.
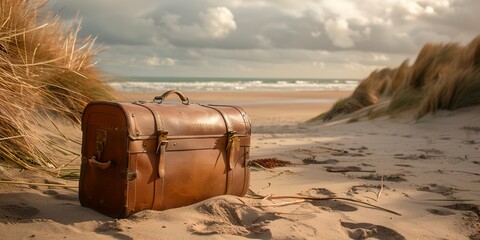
(427, 171)
(263, 107)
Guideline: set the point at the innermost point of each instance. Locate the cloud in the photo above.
(112, 22)
(380, 57)
(156, 61)
(339, 32)
(202, 37)
(219, 21)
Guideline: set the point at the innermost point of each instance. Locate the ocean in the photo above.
(158, 84)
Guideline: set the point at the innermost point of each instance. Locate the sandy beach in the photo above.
(263, 108)
(424, 176)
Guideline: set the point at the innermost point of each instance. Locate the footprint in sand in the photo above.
(334, 206)
(439, 212)
(399, 177)
(367, 165)
(404, 165)
(311, 160)
(58, 196)
(317, 191)
(330, 205)
(471, 216)
(346, 153)
(425, 154)
(224, 216)
(365, 188)
(434, 188)
(470, 142)
(431, 151)
(50, 192)
(368, 230)
(341, 169)
(411, 156)
(465, 207)
(472, 129)
(18, 212)
(117, 225)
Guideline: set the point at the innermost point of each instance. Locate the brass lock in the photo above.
(101, 141)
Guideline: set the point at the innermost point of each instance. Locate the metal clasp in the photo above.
(162, 139)
(233, 141)
(100, 141)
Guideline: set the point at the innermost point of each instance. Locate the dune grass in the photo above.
(443, 77)
(45, 69)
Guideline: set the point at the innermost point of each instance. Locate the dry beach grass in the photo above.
(444, 76)
(46, 72)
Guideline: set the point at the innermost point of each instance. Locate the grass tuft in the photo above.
(443, 76)
(45, 69)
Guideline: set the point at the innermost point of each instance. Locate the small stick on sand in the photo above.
(381, 190)
(334, 198)
(281, 204)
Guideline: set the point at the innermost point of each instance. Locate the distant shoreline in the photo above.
(263, 107)
(150, 84)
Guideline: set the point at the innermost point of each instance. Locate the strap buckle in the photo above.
(233, 145)
(233, 141)
(100, 142)
(162, 139)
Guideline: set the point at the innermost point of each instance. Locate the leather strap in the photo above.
(233, 144)
(162, 143)
(160, 179)
(231, 135)
(156, 117)
(131, 191)
(246, 169)
(225, 117)
(131, 186)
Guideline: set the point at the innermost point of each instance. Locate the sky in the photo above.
(265, 38)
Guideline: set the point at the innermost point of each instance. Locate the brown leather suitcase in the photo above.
(156, 155)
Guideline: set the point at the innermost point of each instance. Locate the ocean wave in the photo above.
(250, 85)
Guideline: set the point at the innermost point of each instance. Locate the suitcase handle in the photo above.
(160, 99)
(102, 165)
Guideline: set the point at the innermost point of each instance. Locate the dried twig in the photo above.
(281, 204)
(260, 166)
(278, 172)
(331, 149)
(335, 198)
(381, 190)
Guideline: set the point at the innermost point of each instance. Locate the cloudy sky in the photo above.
(266, 38)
